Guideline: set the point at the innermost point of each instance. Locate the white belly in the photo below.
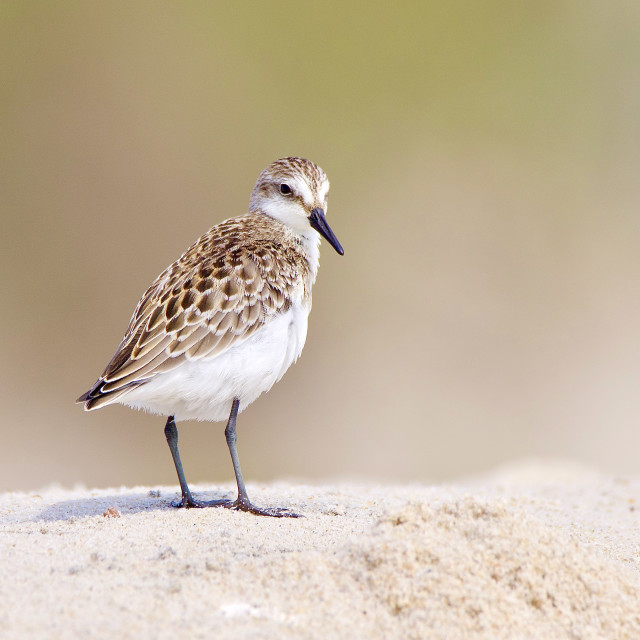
(205, 389)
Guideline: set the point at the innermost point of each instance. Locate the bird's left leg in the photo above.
(187, 501)
(242, 502)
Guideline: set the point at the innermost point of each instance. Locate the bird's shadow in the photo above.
(115, 505)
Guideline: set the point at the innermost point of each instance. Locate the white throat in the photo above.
(293, 216)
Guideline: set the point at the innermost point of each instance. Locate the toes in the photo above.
(216, 503)
(275, 512)
(186, 503)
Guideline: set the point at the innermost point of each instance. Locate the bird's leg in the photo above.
(232, 438)
(171, 433)
(242, 502)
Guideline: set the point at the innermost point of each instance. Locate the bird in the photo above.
(224, 322)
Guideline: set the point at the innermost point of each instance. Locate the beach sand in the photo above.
(534, 550)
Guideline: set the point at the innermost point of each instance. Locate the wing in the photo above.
(214, 297)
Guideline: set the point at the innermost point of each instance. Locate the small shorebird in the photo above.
(223, 323)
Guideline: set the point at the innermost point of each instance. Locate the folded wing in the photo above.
(198, 308)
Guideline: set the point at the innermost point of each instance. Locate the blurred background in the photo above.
(485, 163)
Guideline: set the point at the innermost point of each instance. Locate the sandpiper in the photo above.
(225, 321)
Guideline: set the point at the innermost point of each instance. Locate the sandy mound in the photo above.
(479, 569)
(517, 556)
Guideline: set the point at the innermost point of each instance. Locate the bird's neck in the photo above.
(306, 241)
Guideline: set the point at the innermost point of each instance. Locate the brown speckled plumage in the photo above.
(227, 285)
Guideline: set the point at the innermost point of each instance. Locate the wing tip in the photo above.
(96, 397)
(85, 399)
(90, 398)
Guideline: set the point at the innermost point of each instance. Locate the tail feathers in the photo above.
(96, 397)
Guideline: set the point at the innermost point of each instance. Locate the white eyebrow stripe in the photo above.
(323, 191)
(304, 190)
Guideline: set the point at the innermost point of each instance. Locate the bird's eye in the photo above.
(285, 189)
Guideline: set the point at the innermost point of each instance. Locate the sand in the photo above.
(536, 550)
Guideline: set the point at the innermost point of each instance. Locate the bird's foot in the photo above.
(189, 502)
(241, 504)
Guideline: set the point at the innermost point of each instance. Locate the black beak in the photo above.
(319, 223)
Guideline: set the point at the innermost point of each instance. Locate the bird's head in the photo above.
(295, 191)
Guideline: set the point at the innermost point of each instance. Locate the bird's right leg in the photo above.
(171, 433)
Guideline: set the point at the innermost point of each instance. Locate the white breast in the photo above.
(205, 389)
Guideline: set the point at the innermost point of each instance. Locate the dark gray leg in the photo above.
(242, 502)
(232, 438)
(188, 501)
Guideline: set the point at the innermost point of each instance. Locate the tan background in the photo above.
(485, 160)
